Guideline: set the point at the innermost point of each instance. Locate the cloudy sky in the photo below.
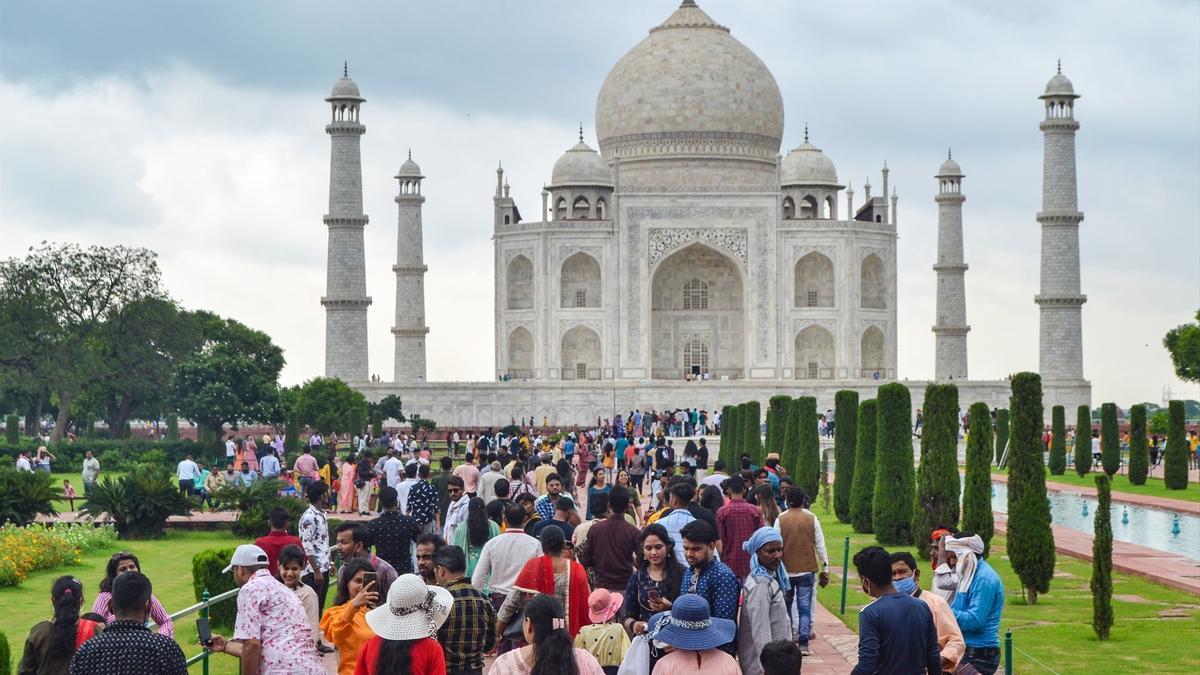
(196, 129)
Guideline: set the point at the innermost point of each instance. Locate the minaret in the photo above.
(345, 299)
(410, 329)
(1060, 299)
(950, 330)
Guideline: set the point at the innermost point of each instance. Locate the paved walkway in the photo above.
(1164, 503)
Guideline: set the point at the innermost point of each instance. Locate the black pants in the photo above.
(985, 659)
(320, 588)
(187, 486)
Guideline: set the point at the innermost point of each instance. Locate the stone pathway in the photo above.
(836, 648)
(1164, 503)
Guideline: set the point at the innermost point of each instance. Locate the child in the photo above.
(781, 657)
(69, 493)
(605, 640)
(291, 567)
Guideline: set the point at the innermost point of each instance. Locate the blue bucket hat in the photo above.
(690, 626)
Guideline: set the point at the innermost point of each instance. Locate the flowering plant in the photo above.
(36, 547)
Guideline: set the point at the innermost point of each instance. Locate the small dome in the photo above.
(345, 88)
(807, 165)
(581, 165)
(1059, 85)
(409, 167)
(949, 169)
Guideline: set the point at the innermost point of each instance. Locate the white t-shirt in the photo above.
(392, 469)
(23, 464)
(187, 470)
(230, 448)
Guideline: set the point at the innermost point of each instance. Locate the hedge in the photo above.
(5, 655)
(1030, 539)
(1110, 442)
(777, 414)
(1139, 450)
(1102, 545)
(1003, 429)
(1175, 471)
(751, 426)
(114, 455)
(862, 489)
(207, 574)
(894, 499)
(977, 485)
(937, 479)
(1058, 440)
(807, 470)
(844, 446)
(1083, 440)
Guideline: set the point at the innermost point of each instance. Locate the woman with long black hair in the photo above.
(550, 650)
(478, 531)
(657, 581)
(344, 624)
(405, 630)
(120, 563)
(51, 644)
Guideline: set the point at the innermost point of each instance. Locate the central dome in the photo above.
(689, 88)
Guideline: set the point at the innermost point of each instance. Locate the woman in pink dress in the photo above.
(252, 454)
(347, 493)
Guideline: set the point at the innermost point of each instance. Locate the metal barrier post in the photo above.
(204, 615)
(845, 575)
(1008, 652)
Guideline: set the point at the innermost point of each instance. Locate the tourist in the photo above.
(470, 630)
(519, 482)
(91, 473)
(246, 478)
(476, 532)
(503, 558)
(487, 481)
(978, 602)
(274, 541)
(354, 542)
(708, 577)
(394, 533)
(423, 499)
(306, 468)
(543, 471)
(427, 545)
(699, 511)
(269, 465)
(545, 504)
(565, 517)
(718, 476)
(736, 521)
(126, 645)
(291, 568)
(895, 631)
(440, 482)
(764, 500)
(605, 640)
(657, 581)
(347, 493)
(612, 545)
(408, 479)
(314, 536)
(23, 463)
(945, 579)
(764, 612)
(781, 657)
(186, 472)
(549, 647)
(906, 578)
(41, 460)
(460, 499)
(345, 624)
(803, 557)
(711, 499)
(405, 627)
(528, 502)
(119, 564)
(51, 644)
(469, 473)
(219, 479)
(579, 537)
(495, 508)
(69, 494)
(553, 574)
(364, 481)
(699, 638)
(272, 633)
(598, 485)
(635, 463)
(679, 516)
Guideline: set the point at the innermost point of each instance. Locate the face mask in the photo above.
(906, 586)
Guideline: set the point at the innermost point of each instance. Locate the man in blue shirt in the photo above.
(710, 578)
(978, 603)
(269, 465)
(896, 634)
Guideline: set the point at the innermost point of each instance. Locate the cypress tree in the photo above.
(862, 488)
(291, 433)
(173, 427)
(937, 479)
(1102, 544)
(356, 422)
(12, 429)
(1030, 540)
(790, 457)
(726, 450)
(894, 498)
(777, 410)
(1058, 440)
(1083, 440)
(1175, 459)
(376, 424)
(1139, 451)
(807, 470)
(977, 486)
(735, 438)
(1002, 430)
(1110, 443)
(844, 441)
(751, 423)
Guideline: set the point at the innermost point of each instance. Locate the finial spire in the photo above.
(410, 153)
(581, 132)
(345, 69)
(806, 132)
(949, 155)
(1060, 66)
(885, 165)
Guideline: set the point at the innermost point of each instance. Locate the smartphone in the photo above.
(371, 578)
(653, 595)
(204, 631)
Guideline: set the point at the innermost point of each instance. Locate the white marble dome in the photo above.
(410, 167)
(581, 165)
(807, 165)
(345, 88)
(949, 169)
(1059, 85)
(689, 88)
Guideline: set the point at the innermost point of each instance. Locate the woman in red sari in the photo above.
(552, 574)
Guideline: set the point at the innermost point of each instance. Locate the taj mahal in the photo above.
(688, 260)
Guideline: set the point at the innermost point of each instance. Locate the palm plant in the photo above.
(139, 502)
(26, 494)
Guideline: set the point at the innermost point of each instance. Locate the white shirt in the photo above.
(230, 448)
(23, 464)
(501, 561)
(187, 470)
(402, 491)
(716, 479)
(819, 540)
(455, 516)
(392, 469)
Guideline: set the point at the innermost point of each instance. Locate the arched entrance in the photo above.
(697, 316)
(814, 354)
(580, 354)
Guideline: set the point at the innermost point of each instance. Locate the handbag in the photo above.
(515, 628)
(637, 657)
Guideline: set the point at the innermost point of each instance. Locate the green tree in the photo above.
(735, 434)
(12, 429)
(1175, 457)
(291, 434)
(807, 470)
(391, 407)
(1160, 421)
(894, 499)
(1058, 440)
(777, 408)
(845, 443)
(937, 479)
(1110, 442)
(357, 426)
(977, 485)
(1139, 450)
(790, 457)
(862, 489)
(172, 427)
(1030, 539)
(1183, 342)
(750, 422)
(1003, 427)
(1083, 440)
(376, 424)
(327, 404)
(1102, 544)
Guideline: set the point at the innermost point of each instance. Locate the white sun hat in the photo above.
(413, 610)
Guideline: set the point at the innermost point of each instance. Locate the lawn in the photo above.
(168, 563)
(1120, 483)
(1156, 628)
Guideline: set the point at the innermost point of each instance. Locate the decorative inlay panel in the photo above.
(664, 241)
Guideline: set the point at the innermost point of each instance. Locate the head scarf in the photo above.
(761, 537)
(968, 550)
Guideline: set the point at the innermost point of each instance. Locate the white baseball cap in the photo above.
(247, 555)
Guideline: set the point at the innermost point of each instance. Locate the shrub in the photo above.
(1175, 459)
(420, 424)
(844, 442)
(750, 422)
(777, 413)
(1083, 440)
(807, 470)
(727, 452)
(173, 427)
(37, 547)
(894, 499)
(977, 486)
(937, 479)
(1102, 543)
(139, 502)
(1058, 440)
(1139, 449)
(1030, 539)
(1110, 443)
(24, 495)
(1003, 428)
(254, 504)
(114, 455)
(862, 490)
(291, 433)
(5, 655)
(12, 429)
(207, 574)
(376, 424)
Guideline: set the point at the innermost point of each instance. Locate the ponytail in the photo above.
(67, 596)
(553, 651)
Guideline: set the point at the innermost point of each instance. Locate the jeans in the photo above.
(801, 592)
(985, 659)
(187, 486)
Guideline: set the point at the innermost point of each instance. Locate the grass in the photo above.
(1153, 487)
(1058, 630)
(168, 563)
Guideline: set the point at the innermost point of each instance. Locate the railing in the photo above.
(202, 608)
